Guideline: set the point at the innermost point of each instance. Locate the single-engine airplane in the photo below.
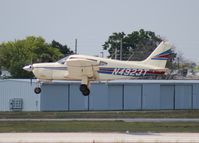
(90, 68)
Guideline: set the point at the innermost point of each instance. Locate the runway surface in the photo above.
(98, 137)
(113, 119)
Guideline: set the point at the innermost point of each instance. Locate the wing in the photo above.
(78, 68)
(82, 62)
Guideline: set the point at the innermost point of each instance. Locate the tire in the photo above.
(83, 87)
(37, 90)
(86, 92)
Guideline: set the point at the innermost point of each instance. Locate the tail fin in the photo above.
(160, 55)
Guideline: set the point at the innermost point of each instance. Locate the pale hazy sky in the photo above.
(92, 21)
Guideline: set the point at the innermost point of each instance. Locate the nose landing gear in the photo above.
(37, 89)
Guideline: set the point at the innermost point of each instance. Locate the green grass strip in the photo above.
(97, 126)
(104, 114)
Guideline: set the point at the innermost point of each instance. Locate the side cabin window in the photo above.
(102, 63)
(62, 61)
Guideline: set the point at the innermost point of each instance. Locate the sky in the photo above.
(93, 21)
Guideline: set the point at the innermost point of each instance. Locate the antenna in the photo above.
(102, 54)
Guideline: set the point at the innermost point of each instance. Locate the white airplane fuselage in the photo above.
(111, 70)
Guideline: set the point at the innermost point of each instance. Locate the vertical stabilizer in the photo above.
(160, 55)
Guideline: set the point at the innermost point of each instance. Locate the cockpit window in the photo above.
(62, 61)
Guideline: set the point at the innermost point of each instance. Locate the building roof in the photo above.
(111, 82)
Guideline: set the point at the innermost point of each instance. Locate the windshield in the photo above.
(63, 60)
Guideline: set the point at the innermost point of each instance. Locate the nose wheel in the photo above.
(84, 89)
(37, 90)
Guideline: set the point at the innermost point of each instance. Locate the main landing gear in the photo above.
(84, 89)
(84, 86)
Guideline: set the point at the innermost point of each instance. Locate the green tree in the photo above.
(136, 46)
(113, 44)
(138, 43)
(14, 55)
(64, 49)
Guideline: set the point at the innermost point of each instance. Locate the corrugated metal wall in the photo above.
(10, 89)
(196, 96)
(119, 95)
(167, 96)
(133, 95)
(56, 99)
(76, 100)
(99, 99)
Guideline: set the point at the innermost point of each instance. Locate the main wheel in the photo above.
(84, 89)
(86, 92)
(37, 90)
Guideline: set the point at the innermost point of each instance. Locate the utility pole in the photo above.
(115, 53)
(121, 50)
(178, 60)
(75, 46)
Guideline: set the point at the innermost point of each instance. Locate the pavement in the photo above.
(113, 119)
(99, 137)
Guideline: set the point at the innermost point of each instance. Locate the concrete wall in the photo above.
(125, 95)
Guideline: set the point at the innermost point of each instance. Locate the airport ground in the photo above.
(89, 137)
(103, 114)
(97, 126)
(100, 126)
(101, 121)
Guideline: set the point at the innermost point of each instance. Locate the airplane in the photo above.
(89, 68)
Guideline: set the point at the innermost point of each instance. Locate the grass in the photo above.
(99, 126)
(95, 126)
(103, 114)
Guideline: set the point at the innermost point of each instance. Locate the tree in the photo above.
(136, 46)
(15, 55)
(113, 43)
(136, 43)
(64, 49)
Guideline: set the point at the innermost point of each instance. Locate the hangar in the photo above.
(114, 95)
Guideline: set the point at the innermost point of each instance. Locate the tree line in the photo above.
(15, 54)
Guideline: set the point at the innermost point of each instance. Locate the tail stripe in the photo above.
(159, 56)
(163, 56)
